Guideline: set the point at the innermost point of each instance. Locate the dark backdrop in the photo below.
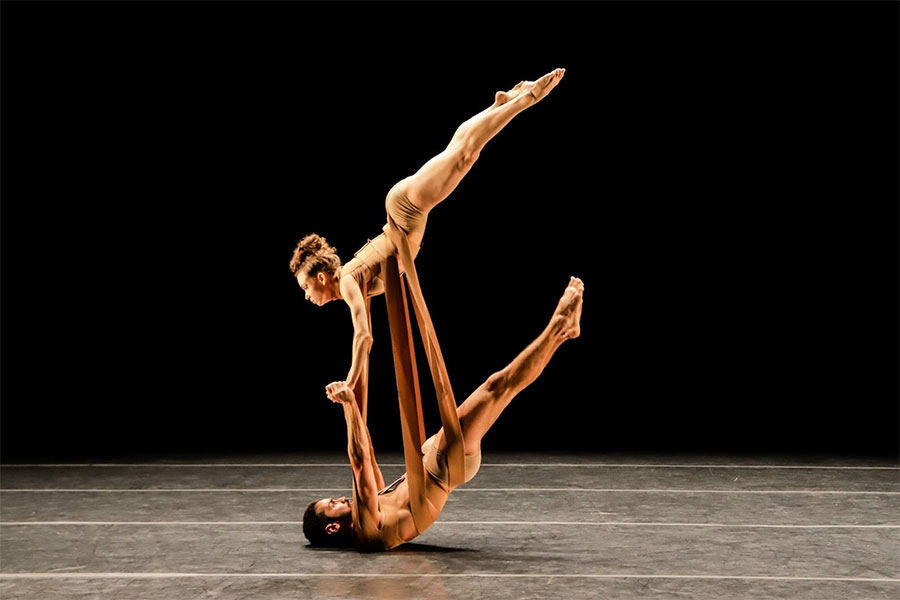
(724, 177)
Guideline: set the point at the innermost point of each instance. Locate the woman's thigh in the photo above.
(437, 178)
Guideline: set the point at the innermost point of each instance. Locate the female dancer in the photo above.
(317, 267)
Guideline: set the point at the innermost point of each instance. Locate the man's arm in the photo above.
(379, 478)
(359, 448)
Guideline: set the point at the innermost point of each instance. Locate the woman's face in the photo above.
(315, 288)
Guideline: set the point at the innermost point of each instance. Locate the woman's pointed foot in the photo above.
(501, 98)
(543, 86)
(536, 89)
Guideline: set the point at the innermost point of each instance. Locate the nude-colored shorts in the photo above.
(408, 217)
(436, 462)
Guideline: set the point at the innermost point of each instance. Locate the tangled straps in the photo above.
(411, 420)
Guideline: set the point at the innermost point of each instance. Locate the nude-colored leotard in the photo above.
(372, 537)
(366, 265)
(437, 488)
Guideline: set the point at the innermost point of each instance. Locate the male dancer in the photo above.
(382, 519)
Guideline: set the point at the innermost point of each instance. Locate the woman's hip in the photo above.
(408, 217)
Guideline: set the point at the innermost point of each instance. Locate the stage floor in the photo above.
(528, 526)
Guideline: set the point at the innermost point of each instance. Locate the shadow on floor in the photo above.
(413, 548)
(408, 548)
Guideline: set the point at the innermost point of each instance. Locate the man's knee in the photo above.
(497, 384)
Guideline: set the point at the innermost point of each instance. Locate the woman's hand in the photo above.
(339, 392)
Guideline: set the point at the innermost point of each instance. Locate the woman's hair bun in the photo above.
(314, 251)
(316, 245)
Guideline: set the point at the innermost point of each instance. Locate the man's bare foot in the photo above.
(568, 312)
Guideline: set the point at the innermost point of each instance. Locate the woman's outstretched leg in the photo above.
(484, 405)
(439, 176)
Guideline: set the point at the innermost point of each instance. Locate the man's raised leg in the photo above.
(484, 405)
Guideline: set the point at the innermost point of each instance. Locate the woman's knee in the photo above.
(462, 152)
(467, 153)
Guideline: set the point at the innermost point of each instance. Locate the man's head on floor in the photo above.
(329, 523)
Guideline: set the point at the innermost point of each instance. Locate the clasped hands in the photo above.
(339, 392)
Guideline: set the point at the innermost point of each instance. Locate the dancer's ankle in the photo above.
(558, 325)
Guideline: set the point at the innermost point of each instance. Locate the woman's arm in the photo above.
(362, 337)
(362, 344)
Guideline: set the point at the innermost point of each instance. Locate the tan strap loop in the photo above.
(411, 421)
(440, 378)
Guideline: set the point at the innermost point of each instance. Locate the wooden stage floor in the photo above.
(528, 526)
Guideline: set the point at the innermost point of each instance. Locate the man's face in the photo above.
(334, 508)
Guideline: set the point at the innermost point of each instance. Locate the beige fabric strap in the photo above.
(407, 377)
(411, 422)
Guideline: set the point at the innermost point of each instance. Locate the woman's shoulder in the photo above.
(355, 270)
(363, 275)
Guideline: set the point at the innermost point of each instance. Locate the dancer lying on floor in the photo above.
(383, 519)
(317, 267)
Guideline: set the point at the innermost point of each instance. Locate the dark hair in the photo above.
(314, 254)
(314, 529)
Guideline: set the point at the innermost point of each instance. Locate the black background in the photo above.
(724, 178)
